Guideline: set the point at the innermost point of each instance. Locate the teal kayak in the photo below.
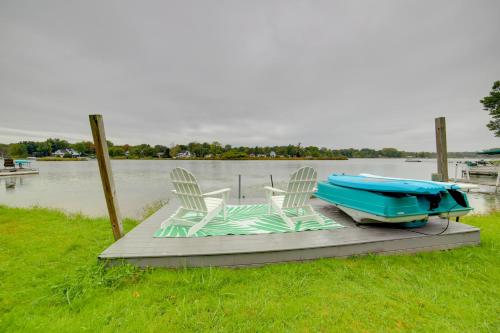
(369, 199)
(388, 185)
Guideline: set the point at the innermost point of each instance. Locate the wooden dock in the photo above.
(17, 172)
(484, 171)
(140, 248)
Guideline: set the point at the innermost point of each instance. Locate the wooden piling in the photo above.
(441, 149)
(239, 187)
(108, 184)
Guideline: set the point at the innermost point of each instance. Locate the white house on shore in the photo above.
(66, 152)
(183, 154)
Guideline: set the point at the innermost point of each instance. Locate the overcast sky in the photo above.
(329, 73)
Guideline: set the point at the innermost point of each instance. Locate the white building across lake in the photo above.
(66, 152)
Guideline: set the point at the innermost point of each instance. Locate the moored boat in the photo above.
(17, 167)
(372, 199)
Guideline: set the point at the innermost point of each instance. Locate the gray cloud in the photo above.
(328, 73)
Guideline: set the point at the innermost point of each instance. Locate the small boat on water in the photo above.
(17, 167)
(413, 159)
(376, 199)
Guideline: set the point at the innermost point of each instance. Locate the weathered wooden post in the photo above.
(441, 149)
(108, 184)
(239, 187)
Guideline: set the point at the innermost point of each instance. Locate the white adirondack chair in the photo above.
(300, 187)
(193, 200)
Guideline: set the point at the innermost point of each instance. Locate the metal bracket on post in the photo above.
(108, 184)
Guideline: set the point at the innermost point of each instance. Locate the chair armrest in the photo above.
(273, 189)
(213, 193)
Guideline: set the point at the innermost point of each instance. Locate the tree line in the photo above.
(214, 150)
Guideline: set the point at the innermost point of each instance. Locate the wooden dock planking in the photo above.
(9, 173)
(140, 248)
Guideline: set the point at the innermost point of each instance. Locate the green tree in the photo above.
(85, 147)
(3, 149)
(311, 151)
(216, 148)
(491, 104)
(196, 149)
(43, 149)
(18, 150)
(391, 152)
(116, 151)
(161, 151)
(176, 150)
(30, 146)
(234, 155)
(143, 150)
(56, 144)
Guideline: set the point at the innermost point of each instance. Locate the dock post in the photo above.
(108, 184)
(441, 149)
(239, 187)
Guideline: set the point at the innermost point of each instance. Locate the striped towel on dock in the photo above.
(245, 220)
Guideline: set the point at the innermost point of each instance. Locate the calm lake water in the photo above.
(76, 186)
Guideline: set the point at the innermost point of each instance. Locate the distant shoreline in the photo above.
(72, 159)
(61, 159)
(80, 159)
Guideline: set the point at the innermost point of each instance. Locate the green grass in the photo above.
(50, 281)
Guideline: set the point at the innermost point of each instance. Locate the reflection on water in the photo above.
(10, 183)
(76, 186)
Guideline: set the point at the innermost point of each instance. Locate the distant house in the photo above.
(183, 154)
(261, 155)
(66, 152)
(272, 154)
(251, 155)
(209, 156)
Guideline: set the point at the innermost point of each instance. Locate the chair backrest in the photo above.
(188, 191)
(300, 187)
(8, 163)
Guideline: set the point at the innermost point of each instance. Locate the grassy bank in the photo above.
(50, 281)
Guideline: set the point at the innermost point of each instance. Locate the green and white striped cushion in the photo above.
(245, 220)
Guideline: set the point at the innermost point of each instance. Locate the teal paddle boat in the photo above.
(376, 199)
